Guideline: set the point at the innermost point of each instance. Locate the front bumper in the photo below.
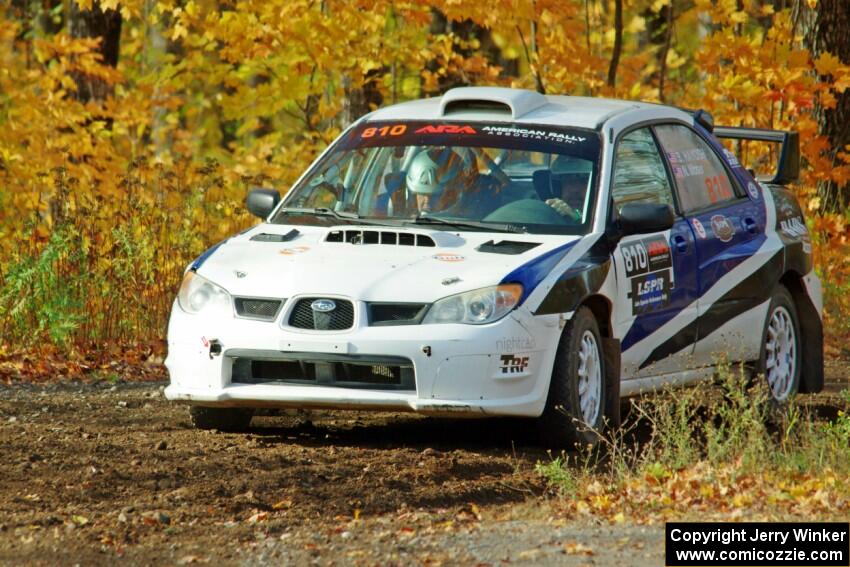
(497, 369)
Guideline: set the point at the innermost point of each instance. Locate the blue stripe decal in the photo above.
(203, 257)
(535, 271)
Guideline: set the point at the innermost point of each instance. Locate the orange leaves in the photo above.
(827, 64)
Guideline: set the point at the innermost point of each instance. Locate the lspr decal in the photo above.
(651, 291)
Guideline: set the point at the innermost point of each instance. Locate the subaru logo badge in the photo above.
(323, 305)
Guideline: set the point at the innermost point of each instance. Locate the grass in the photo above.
(721, 448)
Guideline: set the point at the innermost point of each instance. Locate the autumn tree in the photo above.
(827, 35)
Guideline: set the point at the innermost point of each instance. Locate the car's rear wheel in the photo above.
(574, 413)
(780, 361)
(222, 419)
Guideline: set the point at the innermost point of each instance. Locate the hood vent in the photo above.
(380, 237)
(511, 247)
(266, 237)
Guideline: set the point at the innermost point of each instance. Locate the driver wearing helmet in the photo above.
(434, 178)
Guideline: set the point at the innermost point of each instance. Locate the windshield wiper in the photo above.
(326, 212)
(489, 226)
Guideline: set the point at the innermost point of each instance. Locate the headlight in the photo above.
(198, 294)
(476, 307)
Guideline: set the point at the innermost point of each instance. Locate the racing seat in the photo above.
(542, 181)
(393, 193)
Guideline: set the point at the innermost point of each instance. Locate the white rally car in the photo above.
(501, 252)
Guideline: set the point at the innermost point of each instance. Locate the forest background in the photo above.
(131, 131)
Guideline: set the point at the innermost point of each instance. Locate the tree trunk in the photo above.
(827, 29)
(105, 25)
(363, 99)
(618, 42)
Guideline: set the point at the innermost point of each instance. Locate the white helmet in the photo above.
(431, 170)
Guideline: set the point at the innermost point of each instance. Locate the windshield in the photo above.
(453, 176)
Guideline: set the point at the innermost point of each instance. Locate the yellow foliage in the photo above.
(208, 100)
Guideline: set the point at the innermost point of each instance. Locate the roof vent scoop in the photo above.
(492, 100)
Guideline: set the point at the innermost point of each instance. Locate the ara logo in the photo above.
(446, 129)
(511, 364)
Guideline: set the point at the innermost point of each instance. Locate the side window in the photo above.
(639, 173)
(700, 177)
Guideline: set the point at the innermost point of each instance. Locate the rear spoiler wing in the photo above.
(788, 163)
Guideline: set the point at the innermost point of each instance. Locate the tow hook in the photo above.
(215, 348)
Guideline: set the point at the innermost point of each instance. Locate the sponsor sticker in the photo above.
(446, 129)
(753, 190)
(649, 267)
(531, 133)
(651, 291)
(796, 228)
(699, 228)
(514, 344)
(731, 158)
(722, 227)
(294, 250)
(513, 364)
(646, 255)
(443, 257)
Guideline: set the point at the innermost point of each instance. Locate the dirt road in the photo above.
(105, 473)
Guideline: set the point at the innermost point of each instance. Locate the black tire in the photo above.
(562, 423)
(222, 419)
(782, 307)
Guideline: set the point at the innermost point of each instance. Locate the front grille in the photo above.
(383, 314)
(303, 316)
(345, 371)
(265, 309)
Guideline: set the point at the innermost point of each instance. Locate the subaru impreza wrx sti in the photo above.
(501, 252)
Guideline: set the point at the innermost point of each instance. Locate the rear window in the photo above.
(699, 174)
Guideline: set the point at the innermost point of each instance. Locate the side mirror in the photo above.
(641, 218)
(261, 202)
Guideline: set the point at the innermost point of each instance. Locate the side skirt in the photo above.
(638, 386)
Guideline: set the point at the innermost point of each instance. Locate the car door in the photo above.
(734, 272)
(656, 273)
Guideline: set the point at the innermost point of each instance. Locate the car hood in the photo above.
(308, 263)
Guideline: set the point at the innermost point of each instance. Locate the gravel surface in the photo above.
(106, 474)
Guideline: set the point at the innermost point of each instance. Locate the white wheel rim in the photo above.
(589, 378)
(780, 354)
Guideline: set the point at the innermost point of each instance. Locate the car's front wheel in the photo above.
(780, 348)
(574, 413)
(222, 419)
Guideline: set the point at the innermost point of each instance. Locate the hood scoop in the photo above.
(510, 247)
(267, 237)
(388, 237)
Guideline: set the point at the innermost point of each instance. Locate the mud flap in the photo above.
(811, 327)
(611, 355)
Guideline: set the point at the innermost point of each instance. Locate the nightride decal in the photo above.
(649, 268)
